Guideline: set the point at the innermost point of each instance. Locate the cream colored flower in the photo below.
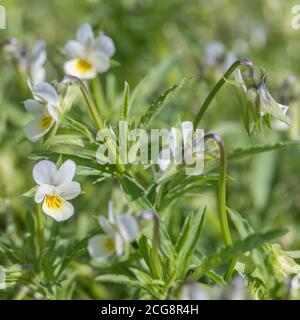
(118, 230)
(55, 188)
(44, 107)
(30, 60)
(88, 55)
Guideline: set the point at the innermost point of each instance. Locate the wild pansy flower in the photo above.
(45, 109)
(30, 60)
(55, 187)
(181, 146)
(119, 230)
(257, 101)
(89, 55)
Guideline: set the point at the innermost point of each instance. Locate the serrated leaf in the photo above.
(157, 107)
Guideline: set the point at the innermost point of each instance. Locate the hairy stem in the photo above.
(218, 86)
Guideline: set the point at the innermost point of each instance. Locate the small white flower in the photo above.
(179, 145)
(89, 55)
(45, 109)
(55, 188)
(118, 230)
(30, 60)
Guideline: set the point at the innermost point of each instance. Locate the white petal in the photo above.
(70, 67)
(128, 227)
(65, 211)
(65, 173)
(39, 54)
(283, 108)
(105, 45)
(46, 92)
(35, 131)
(107, 226)
(99, 248)
(99, 61)
(44, 172)
(34, 107)
(74, 49)
(41, 191)
(69, 190)
(37, 74)
(119, 244)
(85, 34)
(52, 112)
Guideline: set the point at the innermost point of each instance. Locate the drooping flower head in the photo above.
(118, 229)
(258, 104)
(55, 187)
(44, 107)
(89, 54)
(30, 60)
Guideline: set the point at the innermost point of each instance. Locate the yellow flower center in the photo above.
(83, 66)
(46, 121)
(110, 245)
(53, 202)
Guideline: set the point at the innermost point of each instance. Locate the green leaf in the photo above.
(188, 240)
(240, 247)
(157, 107)
(30, 193)
(117, 278)
(80, 128)
(125, 104)
(135, 192)
(240, 223)
(145, 250)
(248, 151)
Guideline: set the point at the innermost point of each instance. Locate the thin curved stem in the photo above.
(222, 197)
(218, 86)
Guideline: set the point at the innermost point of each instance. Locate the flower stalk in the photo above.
(156, 266)
(218, 86)
(40, 228)
(222, 196)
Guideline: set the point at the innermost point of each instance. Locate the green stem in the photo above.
(218, 86)
(222, 196)
(40, 229)
(155, 247)
(98, 94)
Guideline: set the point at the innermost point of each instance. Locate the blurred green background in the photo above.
(168, 40)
